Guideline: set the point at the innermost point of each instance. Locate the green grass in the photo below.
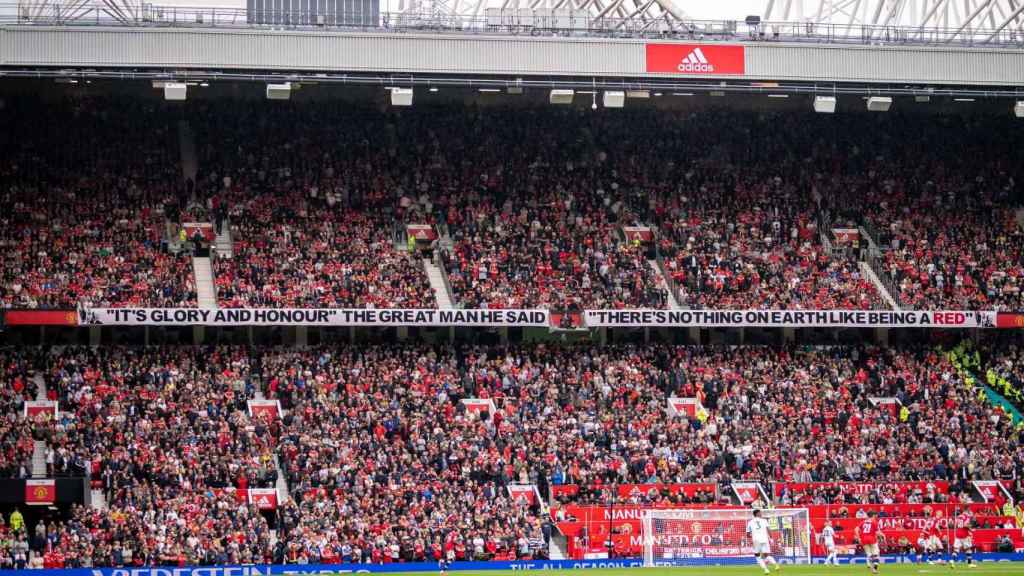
(984, 568)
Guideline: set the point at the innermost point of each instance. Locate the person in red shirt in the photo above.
(868, 535)
(963, 543)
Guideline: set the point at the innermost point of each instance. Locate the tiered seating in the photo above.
(313, 217)
(171, 439)
(753, 256)
(945, 217)
(316, 256)
(83, 204)
(384, 461)
(16, 386)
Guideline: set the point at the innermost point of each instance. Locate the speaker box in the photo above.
(279, 91)
(614, 99)
(879, 103)
(175, 91)
(561, 96)
(401, 96)
(825, 104)
(1018, 109)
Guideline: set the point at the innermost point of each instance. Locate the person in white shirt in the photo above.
(757, 531)
(828, 539)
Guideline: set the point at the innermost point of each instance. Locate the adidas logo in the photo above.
(695, 62)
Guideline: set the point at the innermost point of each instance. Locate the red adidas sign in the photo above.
(263, 498)
(711, 59)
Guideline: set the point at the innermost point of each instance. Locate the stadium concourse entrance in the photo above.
(312, 336)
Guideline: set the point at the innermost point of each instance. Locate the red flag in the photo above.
(40, 492)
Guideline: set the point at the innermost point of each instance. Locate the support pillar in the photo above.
(95, 335)
(199, 334)
(882, 336)
(302, 336)
(788, 335)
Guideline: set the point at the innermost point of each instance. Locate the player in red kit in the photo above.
(963, 541)
(868, 535)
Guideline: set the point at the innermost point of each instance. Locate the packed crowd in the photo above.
(313, 219)
(167, 433)
(533, 201)
(385, 462)
(17, 366)
(946, 219)
(83, 196)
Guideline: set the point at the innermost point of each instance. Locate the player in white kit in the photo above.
(757, 530)
(828, 539)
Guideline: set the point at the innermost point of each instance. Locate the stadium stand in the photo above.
(385, 462)
(314, 226)
(414, 451)
(85, 207)
(16, 386)
(531, 204)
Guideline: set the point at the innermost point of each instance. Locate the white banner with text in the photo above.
(536, 318)
(309, 317)
(789, 318)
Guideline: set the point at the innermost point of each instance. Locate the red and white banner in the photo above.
(263, 498)
(421, 232)
(477, 405)
(893, 405)
(524, 493)
(749, 492)
(637, 234)
(264, 409)
(684, 407)
(34, 408)
(40, 492)
(858, 488)
(846, 235)
(993, 490)
(702, 59)
(205, 229)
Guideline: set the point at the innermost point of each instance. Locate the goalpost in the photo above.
(701, 536)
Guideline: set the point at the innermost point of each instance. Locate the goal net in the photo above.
(701, 536)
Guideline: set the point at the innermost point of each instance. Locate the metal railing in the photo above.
(439, 262)
(513, 22)
(874, 261)
(670, 282)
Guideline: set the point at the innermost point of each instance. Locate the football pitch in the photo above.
(986, 568)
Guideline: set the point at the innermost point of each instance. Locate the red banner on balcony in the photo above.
(40, 492)
(1009, 320)
(709, 59)
(41, 318)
